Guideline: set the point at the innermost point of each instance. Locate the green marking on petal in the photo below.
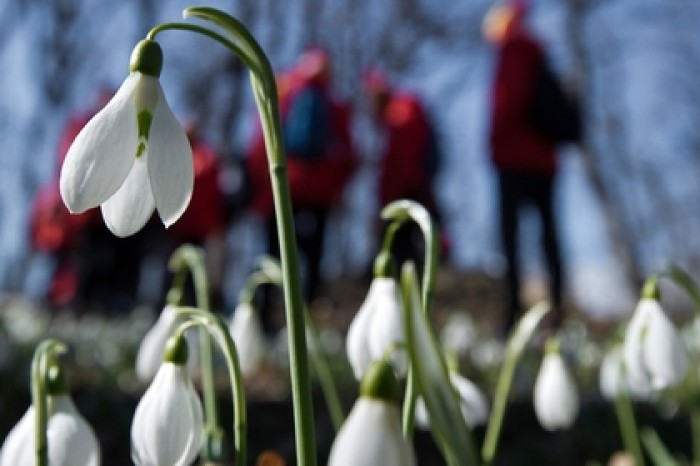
(141, 149)
(145, 118)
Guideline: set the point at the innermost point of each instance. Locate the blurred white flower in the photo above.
(132, 157)
(475, 406)
(459, 333)
(612, 377)
(150, 354)
(168, 424)
(377, 326)
(247, 333)
(654, 354)
(71, 441)
(555, 393)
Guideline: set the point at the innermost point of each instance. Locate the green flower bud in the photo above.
(56, 383)
(147, 58)
(651, 289)
(380, 382)
(176, 350)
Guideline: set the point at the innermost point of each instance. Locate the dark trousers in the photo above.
(516, 191)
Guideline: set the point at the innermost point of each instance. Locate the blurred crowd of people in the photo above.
(94, 270)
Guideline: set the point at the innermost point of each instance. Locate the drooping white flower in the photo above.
(71, 440)
(150, 354)
(377, 326)
(459, 333)
(371, 435)
(475, 406)
(654, 354)
(612, 377)
(247, 333)
(132, 157)
(555, 393)
(168, 423)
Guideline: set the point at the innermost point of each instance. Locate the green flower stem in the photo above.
(188, 257)
(657, 450)
(401, 212)
(517, 343)
(270, 273)
(628, 427)
(216, 327)
(695, 422)
(325, 377)
(44, 356)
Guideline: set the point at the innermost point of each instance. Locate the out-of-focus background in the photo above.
(628, 204)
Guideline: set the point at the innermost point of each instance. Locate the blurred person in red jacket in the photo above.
(320, 159)
(524, 159)
(409, 162)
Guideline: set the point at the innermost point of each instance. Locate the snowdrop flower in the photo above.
(475, 407)
(459, 333)
(371, 434)
(132, 157)
(654, 354)
(246, 331)
(71, 441)
(150, 354)
(378, 325)
(555, 394)
(612, 377)
(168, 424)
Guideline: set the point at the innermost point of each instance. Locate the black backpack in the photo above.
(552, 112)
(307, 125)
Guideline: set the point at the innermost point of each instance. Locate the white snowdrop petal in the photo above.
(246, 331)
(130, 208)
(637, 374)
(170, 164)
(663, 351)
(150, 354)
(167, 426)
(356, 343)
(555, 394)
(71, 439)
(102, 154)
(387, 327)
(18, 447)
(475, 406)
(371, 436)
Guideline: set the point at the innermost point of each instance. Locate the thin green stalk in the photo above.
(657, 450)
(695, 421)
(628, 427)
(264, 87)
(401, 212)
(517, 343)
(188, 257)
(44, 354)
(216, 327)
(325, 378)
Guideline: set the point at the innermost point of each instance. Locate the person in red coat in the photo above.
(409, 161)
(524, 159)
(320, 159)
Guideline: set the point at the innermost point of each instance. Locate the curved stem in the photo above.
(265, 93)
(628, 427)
(44, 354)
(401, 212)
(216, 327)
(188, 257)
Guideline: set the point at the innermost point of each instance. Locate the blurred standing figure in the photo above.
(524, 158)
(409, 161)
(320, 159)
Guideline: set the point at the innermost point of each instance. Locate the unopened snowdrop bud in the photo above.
(71, 441)
(475, 406)
(378, 325)
(150, 354)
(246, 331)
(371, 435)
(654, 354)
(132, 157)
(555, 394)
(168, 424)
